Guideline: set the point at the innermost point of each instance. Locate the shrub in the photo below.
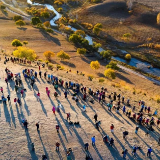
(50, 66)
(25, 42)
(40, 60)
(90, 77)
(95, 65)
(128, 57)
(81, 51)
(58, 66)
(112, 65)
(127, 35)
(110, 73)
(101, 79)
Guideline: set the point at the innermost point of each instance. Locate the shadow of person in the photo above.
(32, 152)
(44, 149)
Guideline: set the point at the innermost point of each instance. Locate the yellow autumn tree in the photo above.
(47, 24)
(48, 55)
(63, 55)
(23, 52)
(110, 73)
(95, 65)
(158, 18)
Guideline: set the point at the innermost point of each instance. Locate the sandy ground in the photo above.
(15, 141)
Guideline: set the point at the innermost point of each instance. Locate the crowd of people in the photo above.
(31, 76)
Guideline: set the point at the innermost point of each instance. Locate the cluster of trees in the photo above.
(62, 55)
(88, 26)
(27, 53)
(17, 43)
(19, 21)
(106, 54)
(42, 12)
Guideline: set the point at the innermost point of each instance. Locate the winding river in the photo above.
(133, 62)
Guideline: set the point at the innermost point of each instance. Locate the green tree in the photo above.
(35, 20)
(16, 18)
(48, 55)
(45, 14)
(16, 43)
(23, 52)
(97, 28)
(63, 56)
(112, 65)
(95, 65)
(25, 42)
(75, 38)
(106, 54)
(96, 46)
(110, 73)
(81, 51)
(20, 23)
(47, 24)
(128, 57)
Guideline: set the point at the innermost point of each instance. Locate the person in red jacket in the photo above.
(15, 101)
(112, 128)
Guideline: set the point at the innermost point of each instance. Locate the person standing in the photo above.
(136, 130)
(22, 91)
(40, 74)
(95, 117)
(124, 109)
(86, 145)
(93, 140)
(125, 151)
(65, 93)
(1, 89)
(112, 128)
(37, 125)
(54, 110)
(38, 96)
(15, 101)
(57, 128)
(57, 146)
(134, 150)
(68, 116)
(149, 152)
(8, 97)
(84, 108)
